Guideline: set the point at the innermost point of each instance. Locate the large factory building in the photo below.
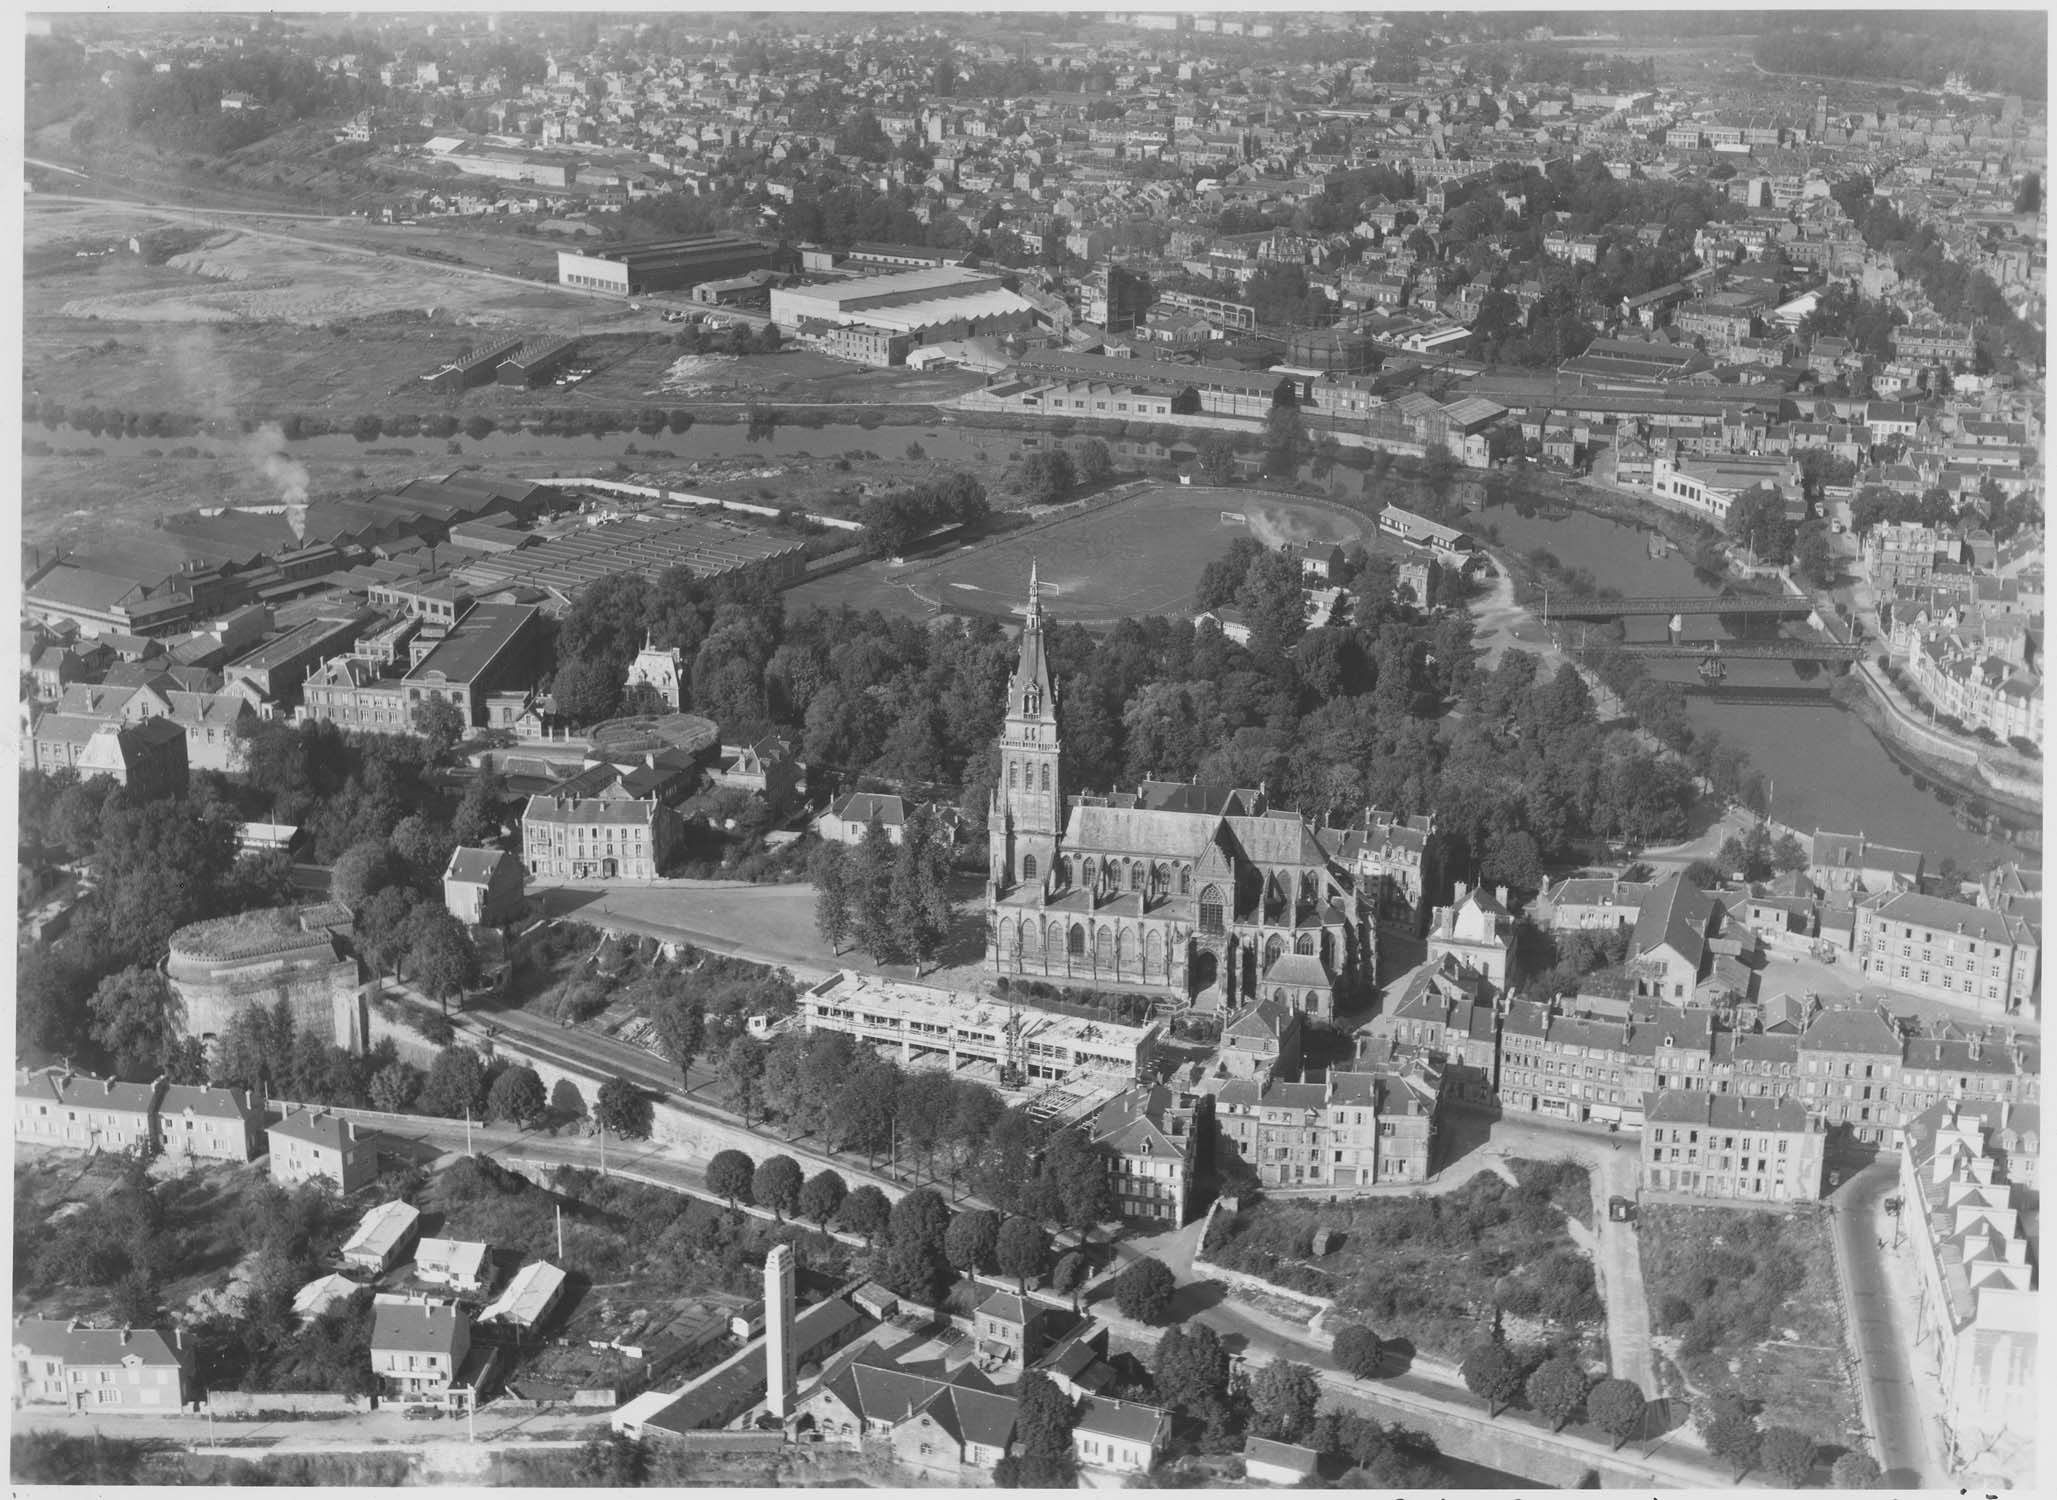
(667, 265)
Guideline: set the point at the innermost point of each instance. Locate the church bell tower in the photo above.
(1028, 799)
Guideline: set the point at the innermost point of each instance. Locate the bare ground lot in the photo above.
(1746, 1303)
(254, 270)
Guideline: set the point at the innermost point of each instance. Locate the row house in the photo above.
(81, 1369)
(1348, 1130)
(1969, 956)
(1976, 1310)
(1970, 1068)
(1720, 326)
(1444, 1010)
(1901, 554)
(612, 838)
(1590, 904)
(1729, 1149)
(1148, 1134)
(56, 1107)
(1935, 341)
(1850, 862)
(1849, 1060)
(1981, 689)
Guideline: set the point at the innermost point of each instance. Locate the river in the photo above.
(1826, 768)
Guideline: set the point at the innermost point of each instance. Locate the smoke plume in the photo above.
(208, 383)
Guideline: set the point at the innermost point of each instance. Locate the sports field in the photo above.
(1140, 556)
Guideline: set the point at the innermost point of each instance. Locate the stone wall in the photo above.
(699, 1134)
(248, 1405)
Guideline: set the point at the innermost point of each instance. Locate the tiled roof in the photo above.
(320, 1129)
(78, 1346)
(1121, 1419)
(1722, 1111)
(475, 866)
(222, 1104)
(417, 1328)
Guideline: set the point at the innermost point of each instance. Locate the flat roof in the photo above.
(309, 637)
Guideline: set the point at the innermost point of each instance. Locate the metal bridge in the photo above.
(1744, 650)
(1681, 604)
(1773, 697)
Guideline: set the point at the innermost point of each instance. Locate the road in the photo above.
(1617, 1255)
(381, 1429)
(1882, 1332)
(1428, 1387)
(788, 937)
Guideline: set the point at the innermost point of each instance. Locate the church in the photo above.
(1208, 892)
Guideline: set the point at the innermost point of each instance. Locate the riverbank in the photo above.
(1936, 755)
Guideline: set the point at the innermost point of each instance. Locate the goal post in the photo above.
(1234, 518)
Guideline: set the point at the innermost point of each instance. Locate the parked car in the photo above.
(422, 1413)
(1620, 1209)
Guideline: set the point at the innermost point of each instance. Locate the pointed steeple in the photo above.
(1029, 691)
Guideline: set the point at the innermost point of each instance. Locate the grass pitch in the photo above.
(1138, 556)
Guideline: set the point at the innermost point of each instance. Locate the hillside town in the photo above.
(653, 971)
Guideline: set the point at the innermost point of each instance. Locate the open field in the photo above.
(1746, 1302)
(1138, 556)
(246, 273)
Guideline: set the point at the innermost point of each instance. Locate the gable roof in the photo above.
(217, 1103)
(1676, 915)
(475, 866)
(80, 1091)
(1121, 1419)
(76, 1346)
(1284, 1455)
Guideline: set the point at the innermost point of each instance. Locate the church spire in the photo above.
(1030, 690)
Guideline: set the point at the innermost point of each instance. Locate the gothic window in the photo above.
(1028, 867)
(1210, 909)
(1281, 997)
(1103, 947)
(1046, 778)
(1153, 951)
(1075, 941)
(1185, 880)
(1124, 951)
(1304, 943)
(1135, 876)
(1092, 871)
(1272, 949)
(1013, 776)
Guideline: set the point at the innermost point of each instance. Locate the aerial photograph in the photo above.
(1180, 748)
